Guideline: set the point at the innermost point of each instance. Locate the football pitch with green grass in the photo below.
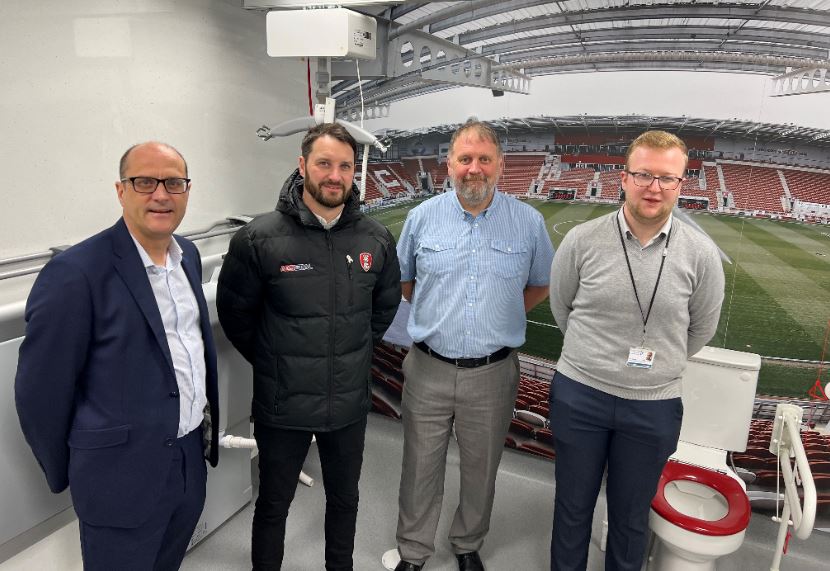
(777, 298)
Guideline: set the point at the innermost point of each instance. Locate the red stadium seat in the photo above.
(819, 467)
(537, 450)
(542, 409)
(544, 435)
(521, 427)
(817, 454)
(522, 403)
(379, 405)
(753, 463)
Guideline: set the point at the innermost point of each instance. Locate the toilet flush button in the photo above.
(745, 377)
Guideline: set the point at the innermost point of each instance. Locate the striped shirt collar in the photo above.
(494, 203)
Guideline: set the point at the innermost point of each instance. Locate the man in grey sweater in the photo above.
(635, 293)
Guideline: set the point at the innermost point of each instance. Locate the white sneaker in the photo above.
(390, 559)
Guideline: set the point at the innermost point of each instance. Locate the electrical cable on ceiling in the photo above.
(308, 81)
(365, 169)
(360, 88)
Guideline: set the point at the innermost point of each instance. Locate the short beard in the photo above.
(318, 194)
(470, 194)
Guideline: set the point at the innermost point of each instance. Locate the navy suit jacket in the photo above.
(95, 390)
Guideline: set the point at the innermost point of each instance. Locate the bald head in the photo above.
(124, 163)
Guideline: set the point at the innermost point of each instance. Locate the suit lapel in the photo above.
(194, 278)
(129, 267)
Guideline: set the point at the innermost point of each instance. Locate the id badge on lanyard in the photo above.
(641, 357)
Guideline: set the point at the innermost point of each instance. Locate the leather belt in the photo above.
(470, 363)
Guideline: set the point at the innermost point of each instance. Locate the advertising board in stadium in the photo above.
(693, 202)
(556, 193)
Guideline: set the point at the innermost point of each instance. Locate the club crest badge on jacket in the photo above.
(365, 261)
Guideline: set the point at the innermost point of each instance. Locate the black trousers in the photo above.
(281, 456)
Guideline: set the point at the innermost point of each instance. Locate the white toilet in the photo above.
(700, 511)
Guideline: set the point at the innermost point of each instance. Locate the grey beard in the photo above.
(471, 196)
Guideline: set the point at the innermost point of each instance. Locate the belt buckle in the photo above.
(468, 363)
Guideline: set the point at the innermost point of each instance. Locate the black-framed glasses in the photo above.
(665, 182)
(148, 184)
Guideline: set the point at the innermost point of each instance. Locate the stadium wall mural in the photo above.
(776, 260)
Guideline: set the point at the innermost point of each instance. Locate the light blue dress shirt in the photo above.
(471, 272)
(180, 316)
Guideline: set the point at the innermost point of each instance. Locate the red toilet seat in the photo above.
(737, 515)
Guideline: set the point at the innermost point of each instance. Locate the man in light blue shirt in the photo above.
(473, 262)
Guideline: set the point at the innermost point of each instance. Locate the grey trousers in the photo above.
(480, 402)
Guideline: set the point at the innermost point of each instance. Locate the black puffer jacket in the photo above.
(304, 306)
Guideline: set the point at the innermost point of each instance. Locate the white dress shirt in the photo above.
(180, 316)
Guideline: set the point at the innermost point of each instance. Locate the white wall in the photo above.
(81, 81)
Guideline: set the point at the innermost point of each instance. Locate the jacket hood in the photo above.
(291, 202)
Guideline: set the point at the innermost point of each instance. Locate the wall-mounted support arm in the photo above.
(786, 443)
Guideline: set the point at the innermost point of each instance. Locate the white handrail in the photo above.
(803, 518)
(786, 443)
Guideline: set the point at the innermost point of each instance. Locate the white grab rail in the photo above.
(786, 443)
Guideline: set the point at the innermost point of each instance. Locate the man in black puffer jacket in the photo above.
(304, 294)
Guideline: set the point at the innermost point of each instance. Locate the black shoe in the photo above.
(469, 561)
(407, 566)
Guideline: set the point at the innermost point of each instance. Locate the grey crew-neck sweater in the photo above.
(592, 300)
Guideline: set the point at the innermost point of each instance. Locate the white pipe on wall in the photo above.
(230, 441)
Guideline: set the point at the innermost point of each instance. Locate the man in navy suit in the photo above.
(116, 382)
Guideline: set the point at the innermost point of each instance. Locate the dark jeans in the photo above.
(592, 430)
(281, 456)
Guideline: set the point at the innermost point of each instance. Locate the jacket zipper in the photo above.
(349, 261)
(332, 319)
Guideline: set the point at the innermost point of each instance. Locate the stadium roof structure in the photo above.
(502, 45)
(627, 124)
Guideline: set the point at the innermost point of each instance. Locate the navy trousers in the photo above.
(593, 430)
(161, 542)
(281, 456)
